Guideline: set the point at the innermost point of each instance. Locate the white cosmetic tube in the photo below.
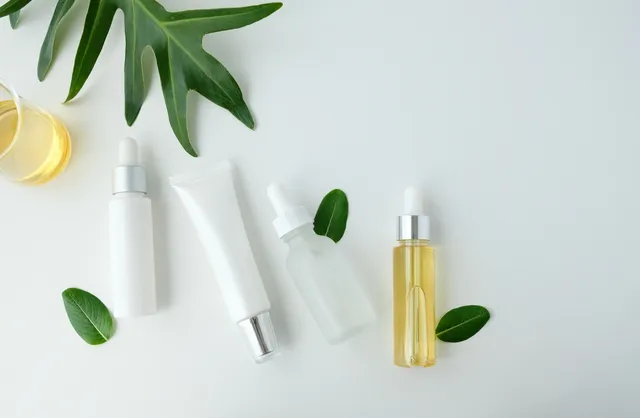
(212, 205)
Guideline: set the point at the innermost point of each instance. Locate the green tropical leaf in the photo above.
(332, 215)
(12, 6)
(46, 52)
(176, 39)
(462, 323)
(88, 316)
(14, 18)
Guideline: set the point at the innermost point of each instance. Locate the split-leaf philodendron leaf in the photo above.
(176, 39)
(14, 18)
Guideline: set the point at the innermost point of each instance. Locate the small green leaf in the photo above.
(46, 52)
(462, 323)
(88, 316)
(14, 18)
(332, 215)
(12, 6)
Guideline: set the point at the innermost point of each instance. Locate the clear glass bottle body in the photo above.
(328, 284)
(414, 304)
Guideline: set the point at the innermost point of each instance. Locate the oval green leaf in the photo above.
(89, 316)
(462, 323)
(332, 215)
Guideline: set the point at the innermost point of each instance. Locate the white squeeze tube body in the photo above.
(211, 202)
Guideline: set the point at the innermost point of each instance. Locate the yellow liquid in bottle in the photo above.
(414, 314)
(42, 147)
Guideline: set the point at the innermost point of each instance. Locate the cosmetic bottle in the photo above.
(211, 202)
(131, 237)
(414, 287)
(323, 275)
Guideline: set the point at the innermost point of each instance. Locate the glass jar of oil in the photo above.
(34, 146)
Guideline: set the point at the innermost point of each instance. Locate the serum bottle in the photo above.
(131, 237)
(414, 287)
(325, 278)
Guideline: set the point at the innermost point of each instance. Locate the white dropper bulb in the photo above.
(128, 152)
(291, 215)
(413, 201)
(279, 199)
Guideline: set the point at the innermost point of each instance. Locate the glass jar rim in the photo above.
(15, 98)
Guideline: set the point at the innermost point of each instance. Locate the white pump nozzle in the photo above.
(413, 201)
(291, 216)
(128, 152)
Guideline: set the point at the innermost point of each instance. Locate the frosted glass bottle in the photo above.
(323, 275)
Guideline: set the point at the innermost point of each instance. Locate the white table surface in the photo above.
(520, 120)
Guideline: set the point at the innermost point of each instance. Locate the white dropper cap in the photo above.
(129, 176)
(290, 215)
(413, 201)
(128, 152)
(414, 224)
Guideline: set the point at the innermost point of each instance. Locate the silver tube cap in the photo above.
(261, 336)
(413, 227)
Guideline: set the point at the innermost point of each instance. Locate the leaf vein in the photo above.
(195, 60)
(173, 88)
(89, 319)
(479, 316)
(333, 212)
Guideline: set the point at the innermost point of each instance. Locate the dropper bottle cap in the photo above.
(290, 215)
(129, 176)
(414, 224)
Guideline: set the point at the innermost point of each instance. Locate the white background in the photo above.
(519, 119)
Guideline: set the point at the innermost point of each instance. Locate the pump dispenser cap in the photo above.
(290, 215)
(129, 176)
(414, 224)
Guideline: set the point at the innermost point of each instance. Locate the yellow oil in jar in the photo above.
(35, 149)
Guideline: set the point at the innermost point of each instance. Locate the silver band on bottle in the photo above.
(413, 227)
(129, 179)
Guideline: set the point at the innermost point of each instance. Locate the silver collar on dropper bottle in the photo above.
(129, 176)
(414, 224)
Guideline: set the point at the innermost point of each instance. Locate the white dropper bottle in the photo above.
(131, 237)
